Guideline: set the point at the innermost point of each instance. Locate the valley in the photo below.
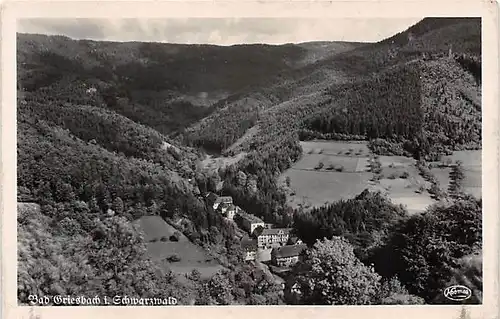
(232, 175)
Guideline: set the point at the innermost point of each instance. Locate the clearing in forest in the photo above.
(161, 248)
(330, 170)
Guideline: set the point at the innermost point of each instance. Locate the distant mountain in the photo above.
(432, 36)
(162, 85)
(110, 132)
(327, 85)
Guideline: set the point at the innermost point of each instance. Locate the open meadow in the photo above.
(157, 233)
(345, 172)
(471, 164)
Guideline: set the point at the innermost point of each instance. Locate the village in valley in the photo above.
(278, 248)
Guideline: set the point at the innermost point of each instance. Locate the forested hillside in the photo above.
(111, 132)
(165, 86)
(82, 184)
(420, 108)
(92, 151)
(384, 78)
(423, 107)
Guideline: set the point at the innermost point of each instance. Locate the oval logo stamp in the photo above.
(457, 293)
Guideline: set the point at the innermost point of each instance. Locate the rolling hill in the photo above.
(109, 133)
(169, 85)
(420, 51)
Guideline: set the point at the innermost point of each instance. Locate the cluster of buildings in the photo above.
(285, 248)
(223, 204)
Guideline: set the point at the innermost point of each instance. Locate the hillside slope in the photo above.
(107, 134)
(165, 86)
(93, 172)
(420, 49)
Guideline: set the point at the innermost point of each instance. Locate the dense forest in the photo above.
(426, 250)
(88, 168)
(423, 251)
(410, 108)
(423, 102)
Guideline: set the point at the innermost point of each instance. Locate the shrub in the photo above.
(404, 175)
(339, 168)
(164, 238)
(174, 258)
(175, 236)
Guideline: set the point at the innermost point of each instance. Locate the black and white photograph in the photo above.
(266, 161)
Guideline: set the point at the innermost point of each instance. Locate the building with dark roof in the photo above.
(227, 210)
(287, 255)
(210, 198)
(223, 200)
(248, 222)
(294, 240)
(214, 200)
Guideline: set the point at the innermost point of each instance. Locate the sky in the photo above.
(221, 31)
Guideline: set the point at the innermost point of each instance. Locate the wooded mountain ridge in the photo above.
(109, 132)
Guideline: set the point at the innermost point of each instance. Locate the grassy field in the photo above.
(471, 163)
(315, 188)
(191, 256)
(405, 192)
(344, 173)
(311, 186)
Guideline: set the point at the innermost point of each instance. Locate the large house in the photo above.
(249, 222)
(227, 210)
(214, 200)
(274, 237)
(222, 200)
(287, 255)
(249, 247)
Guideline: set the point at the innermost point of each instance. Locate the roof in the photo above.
(289, 250)
(275, 231)
(294, 239)
(227, 206)
(251, 218)
(224, 199)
